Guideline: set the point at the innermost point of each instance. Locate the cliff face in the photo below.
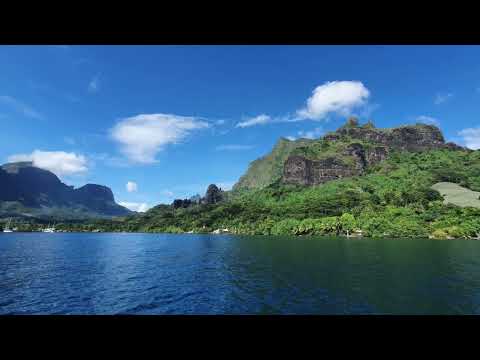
(268, 169)
(40, 190)
(350, 150)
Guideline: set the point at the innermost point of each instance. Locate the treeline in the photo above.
(394, 199)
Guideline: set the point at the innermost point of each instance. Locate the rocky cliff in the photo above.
(351, 149)
(345, 152)
(37, 191)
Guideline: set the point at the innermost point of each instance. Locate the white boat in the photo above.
(7, 228)
(49, 229)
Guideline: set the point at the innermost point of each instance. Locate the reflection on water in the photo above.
(221, 274)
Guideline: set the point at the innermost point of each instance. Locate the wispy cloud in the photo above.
(141, 137)
(471, 137)
(233, 147)
(442, 98)
(427, 120)
(134, 206)
(94, 84)
(20, 107)
(58, 162)
(257, 120)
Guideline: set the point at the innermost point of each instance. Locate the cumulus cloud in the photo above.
(58, 162)
(141, 137)
(138, 207)
(471, 137)
(94, 84)
(427, 120)
(20, 107)
(233, 147)
(257, 120)
(337, 97)
(131, 186)
(441, 98)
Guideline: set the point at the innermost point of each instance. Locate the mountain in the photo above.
(343, 153)
(355, 180)
(26, 190)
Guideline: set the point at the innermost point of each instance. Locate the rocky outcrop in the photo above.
(213, 194)
(373, 146)
(302, 171)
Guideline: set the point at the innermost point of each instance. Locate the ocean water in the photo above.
(222, 274)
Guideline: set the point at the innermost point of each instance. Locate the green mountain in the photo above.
(30, 192)
(268, 169)
(357, 180)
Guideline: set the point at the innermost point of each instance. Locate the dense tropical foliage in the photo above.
(394, 198)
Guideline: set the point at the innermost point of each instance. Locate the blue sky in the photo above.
(170, 120)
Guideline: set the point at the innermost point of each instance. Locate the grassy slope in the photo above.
(268, 169)
(458, 195)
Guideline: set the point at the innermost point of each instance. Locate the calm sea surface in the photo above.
(216, 274)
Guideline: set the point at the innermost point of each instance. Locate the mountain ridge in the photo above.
(27, 190)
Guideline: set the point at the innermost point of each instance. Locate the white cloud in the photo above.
(58, 162)
(131, 186)
(291, 138)
(338, 97)
(257, 120)
(234, 147)
(139, 207)
(441, 98)
(94, 84)
(20, 107)
(427, 120)
(141, 137)
(471, 137)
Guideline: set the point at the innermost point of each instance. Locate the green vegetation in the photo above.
(395, 199)
(268, 169)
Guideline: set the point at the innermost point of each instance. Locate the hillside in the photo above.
(28, 191)
(388, 195)
(343, 153)
(268, 169)
(458, 195)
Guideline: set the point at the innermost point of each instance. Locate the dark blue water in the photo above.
(215, 274)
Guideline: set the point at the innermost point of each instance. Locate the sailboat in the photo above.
(49, 229)
(7, 228)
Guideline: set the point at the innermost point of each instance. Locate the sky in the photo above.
(155, 123)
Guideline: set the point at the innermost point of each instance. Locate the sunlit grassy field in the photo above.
(458, 195)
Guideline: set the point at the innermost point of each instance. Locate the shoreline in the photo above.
(233, 234)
